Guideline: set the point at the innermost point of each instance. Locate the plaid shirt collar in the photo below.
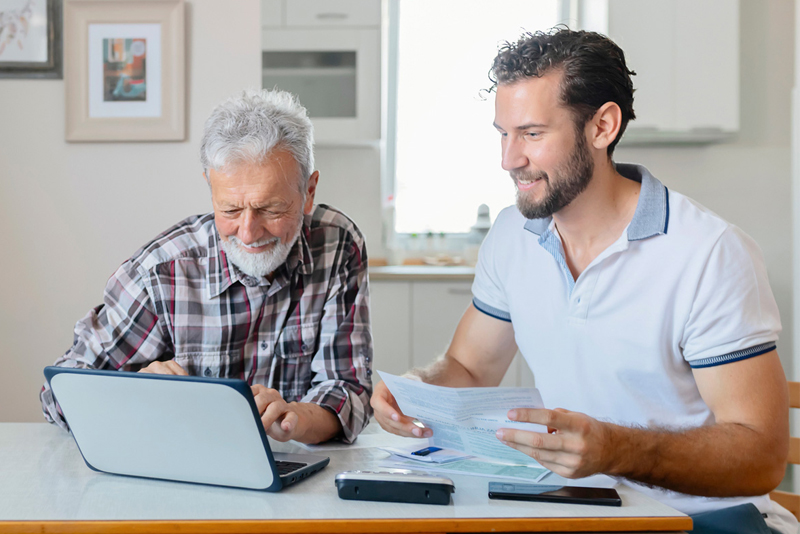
(222, 274)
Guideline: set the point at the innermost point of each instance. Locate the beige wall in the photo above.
(72, 212)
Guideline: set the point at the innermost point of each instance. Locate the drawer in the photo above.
(330, 13)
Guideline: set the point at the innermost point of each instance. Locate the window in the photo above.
(443, 150)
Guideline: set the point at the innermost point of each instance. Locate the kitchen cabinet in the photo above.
(328, 54)
(687, 77)
(413, 323)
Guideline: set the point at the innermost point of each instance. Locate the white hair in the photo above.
(246, 127)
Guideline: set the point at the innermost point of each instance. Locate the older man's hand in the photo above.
(168, 367)
(280, 418)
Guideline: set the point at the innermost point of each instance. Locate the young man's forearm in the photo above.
(446, 371)
(720, 460)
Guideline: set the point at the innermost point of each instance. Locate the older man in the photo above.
(268, 288)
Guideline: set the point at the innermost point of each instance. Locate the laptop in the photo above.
(181, 428)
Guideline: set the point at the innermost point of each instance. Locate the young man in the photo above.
(647, 320)
(268, 288)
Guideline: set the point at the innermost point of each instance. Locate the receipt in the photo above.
(466, 419)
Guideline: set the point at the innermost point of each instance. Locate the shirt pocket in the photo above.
(206, 364)
(295, 351)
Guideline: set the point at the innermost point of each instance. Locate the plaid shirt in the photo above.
(305, 334)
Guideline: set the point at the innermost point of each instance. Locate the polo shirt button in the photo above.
(263, 345)
(579, 300)
(207, 372)
(303, 346)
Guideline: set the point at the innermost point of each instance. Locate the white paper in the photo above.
(367, 441)
(474, 467)
(466, 419)
(437, 457)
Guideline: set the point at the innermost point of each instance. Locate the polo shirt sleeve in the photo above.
(734, 315)
(488, 288)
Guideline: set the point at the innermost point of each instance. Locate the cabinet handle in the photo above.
(459, 291)
(332, 16)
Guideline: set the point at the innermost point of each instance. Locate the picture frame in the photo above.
(124, 70)
(30, 39)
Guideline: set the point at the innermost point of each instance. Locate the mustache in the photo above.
(236, 241)
(529, 176)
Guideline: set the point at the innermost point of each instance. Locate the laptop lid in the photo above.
(190, 429)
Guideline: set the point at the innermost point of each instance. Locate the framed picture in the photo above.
(124, 68)
(30, 39)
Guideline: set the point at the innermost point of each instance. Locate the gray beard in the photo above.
(263, 263)
(571, 180)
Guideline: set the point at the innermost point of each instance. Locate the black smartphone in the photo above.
(558, 494)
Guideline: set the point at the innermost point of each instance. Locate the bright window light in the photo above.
(447, 151)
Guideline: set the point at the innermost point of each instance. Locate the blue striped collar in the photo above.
(652, 211)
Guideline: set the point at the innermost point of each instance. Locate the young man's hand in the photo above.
(391, 419)
(575, 445)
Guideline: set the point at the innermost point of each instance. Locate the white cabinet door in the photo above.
(436, 309)
(687, 77)
(413, 323)
(390, 311)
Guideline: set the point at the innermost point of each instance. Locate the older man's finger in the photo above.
(264, 396)
(156, 368)
(289, 422)
(274, 411)
(175, 368)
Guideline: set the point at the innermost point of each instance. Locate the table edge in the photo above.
(354, 526)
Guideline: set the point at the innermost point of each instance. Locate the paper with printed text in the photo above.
(466, 419)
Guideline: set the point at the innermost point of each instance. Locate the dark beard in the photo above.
(573, 178)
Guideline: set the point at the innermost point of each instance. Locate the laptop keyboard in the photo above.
(288, 467)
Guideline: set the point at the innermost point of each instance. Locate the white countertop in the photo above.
(422, 272)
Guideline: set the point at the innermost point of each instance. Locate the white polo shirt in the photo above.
(680, 289)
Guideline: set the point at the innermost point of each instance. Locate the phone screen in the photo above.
(562, 494)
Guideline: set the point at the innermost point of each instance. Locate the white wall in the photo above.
(349, 178)
(748, 181)
(70, 213)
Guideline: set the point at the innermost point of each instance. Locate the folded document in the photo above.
(466, 419)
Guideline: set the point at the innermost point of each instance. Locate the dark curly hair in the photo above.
(593, 66)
